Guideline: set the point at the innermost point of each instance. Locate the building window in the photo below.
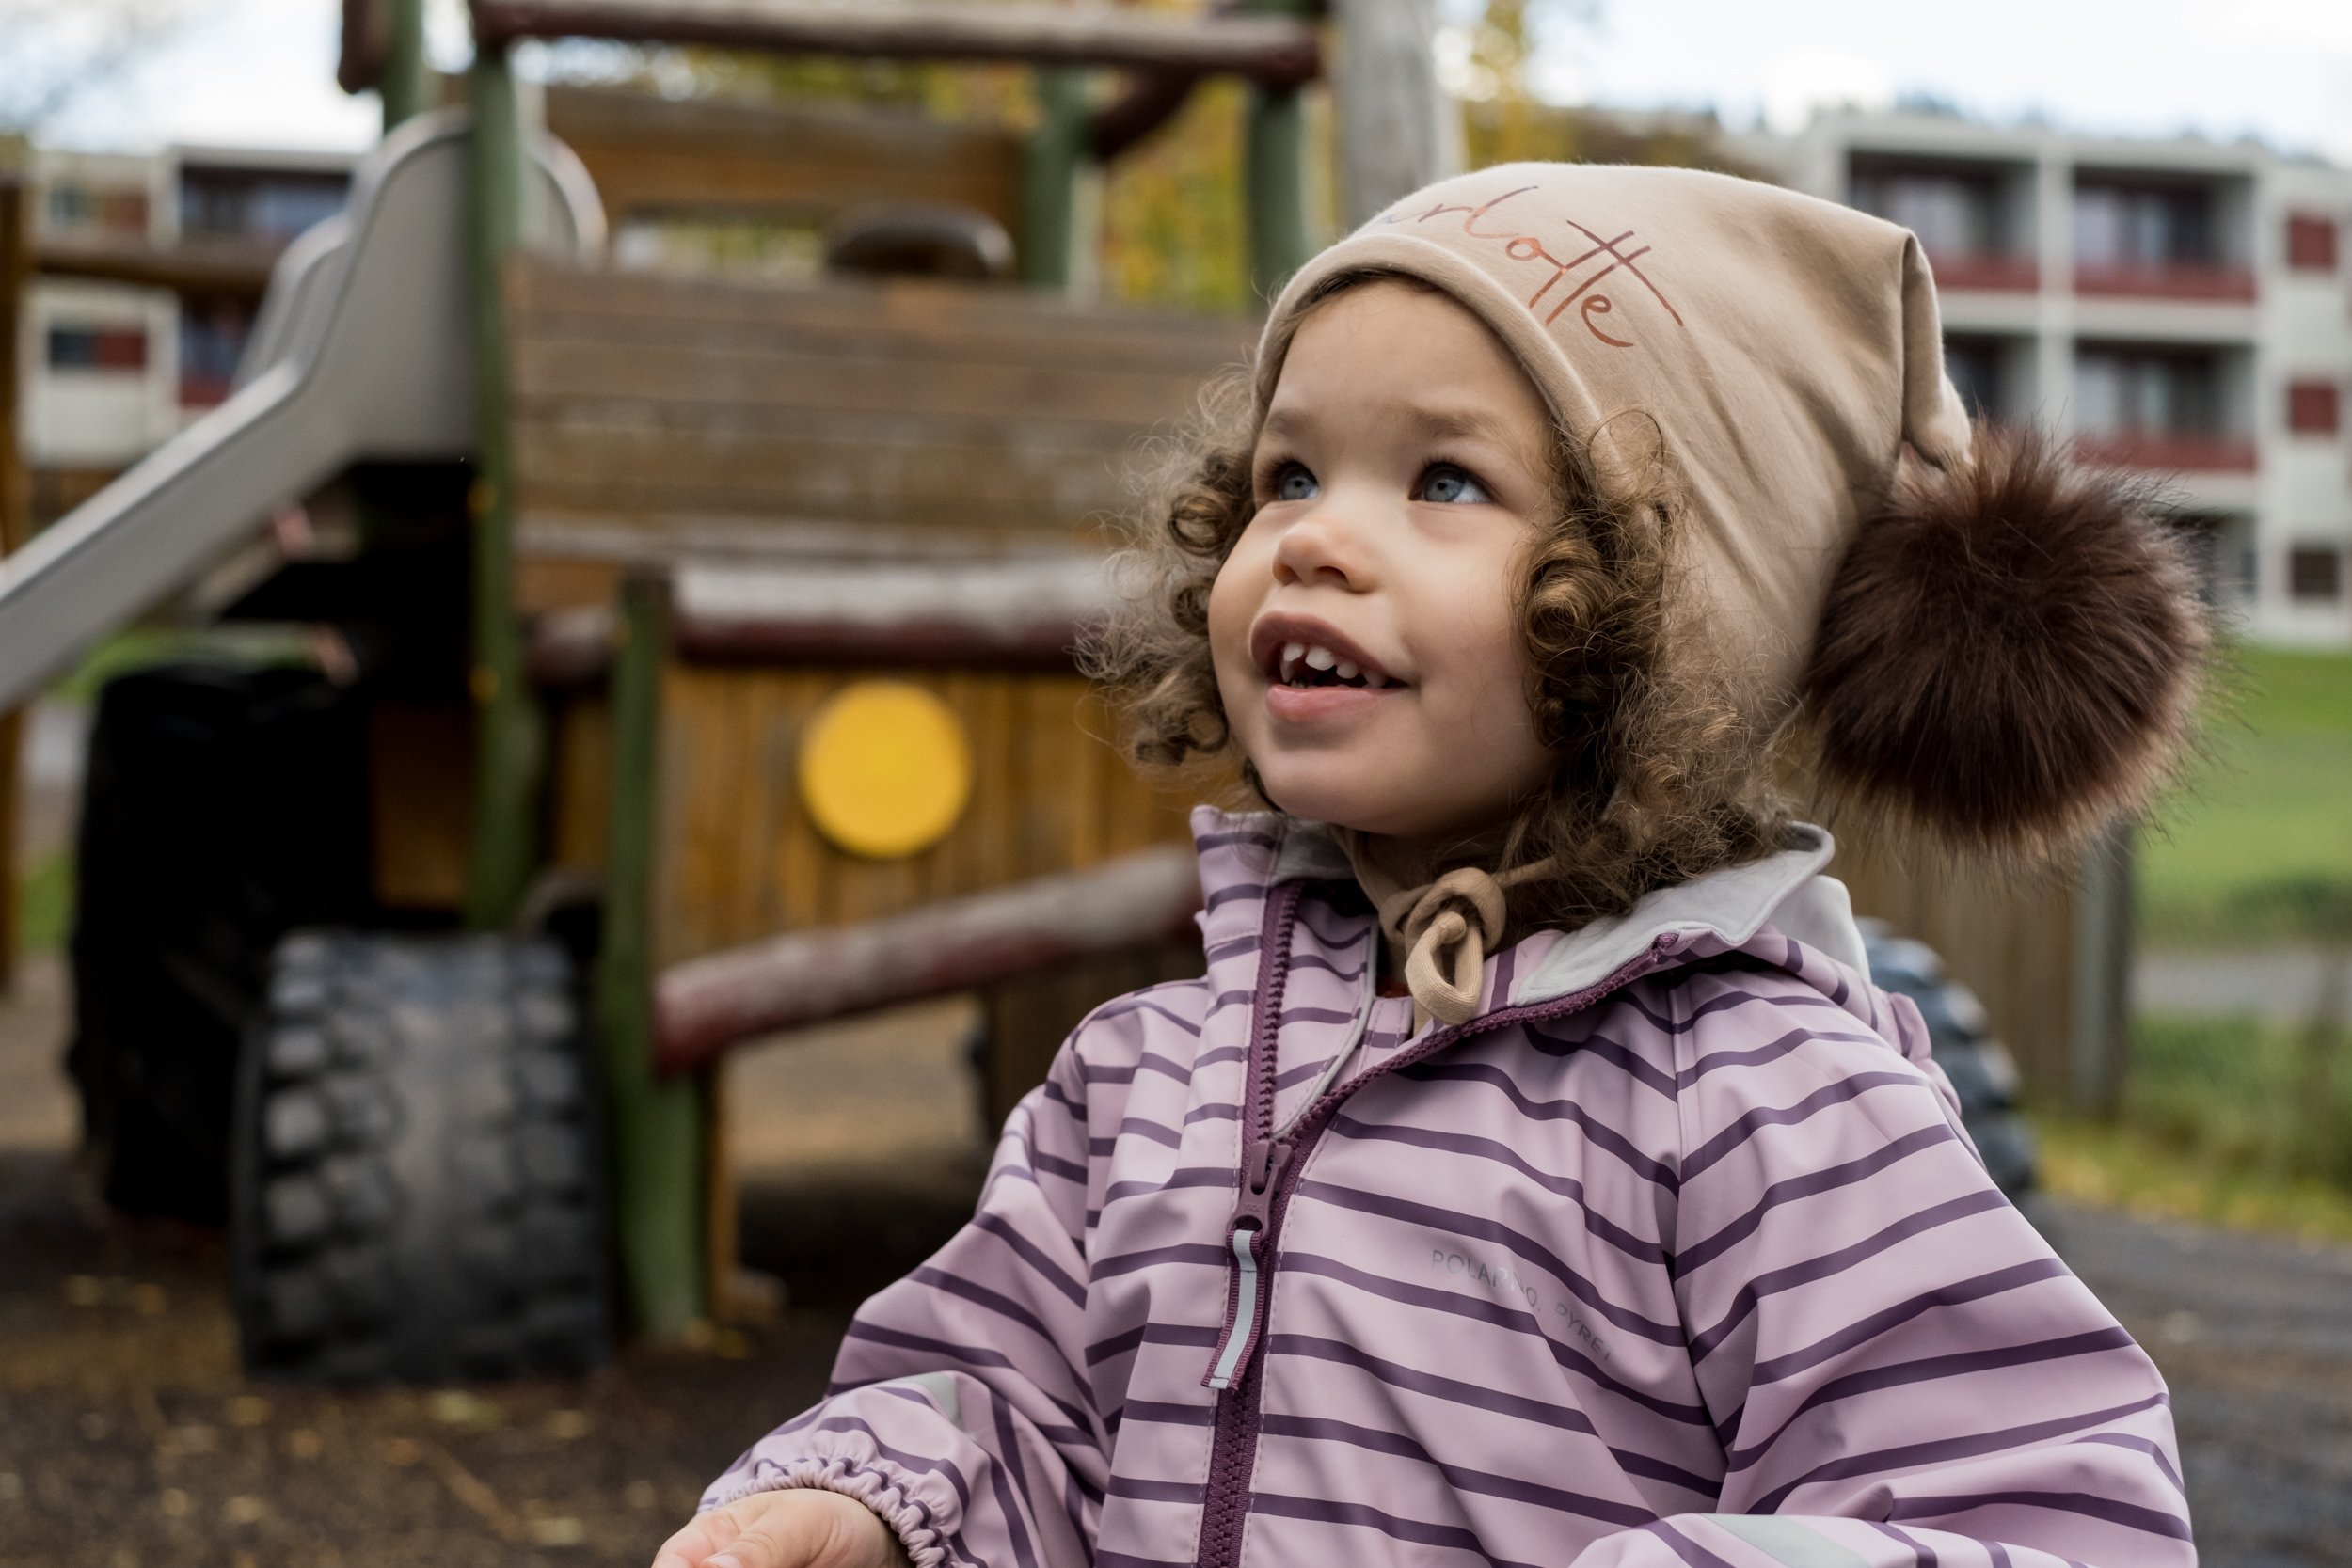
(79, 348)
(2311, 241)
(73, 208)
(2157, 405)
(2152, 389)
(1958, 212)
(273, 205)
(2153, 237)
(212, 339)
(2316, 574)
(2313, 407)
(2143, 225)
(1974, 363)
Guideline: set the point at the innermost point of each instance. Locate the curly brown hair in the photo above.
(1652, 783)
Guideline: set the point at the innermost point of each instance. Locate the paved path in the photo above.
(2254, 1335)
(2286, 985)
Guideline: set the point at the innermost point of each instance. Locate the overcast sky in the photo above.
(261, 72)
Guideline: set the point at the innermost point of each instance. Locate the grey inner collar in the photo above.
(1786, 888)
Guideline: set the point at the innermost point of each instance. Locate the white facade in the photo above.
(102, 373)
(76, 413)
(2183, 307)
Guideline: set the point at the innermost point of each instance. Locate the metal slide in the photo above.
(363, 350)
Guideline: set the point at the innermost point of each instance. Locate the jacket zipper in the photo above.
(1270, 1166)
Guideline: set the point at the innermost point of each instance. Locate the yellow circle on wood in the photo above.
(884, 769)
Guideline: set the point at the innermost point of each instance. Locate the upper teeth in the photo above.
(1316, 656)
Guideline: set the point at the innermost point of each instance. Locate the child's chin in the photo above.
(1333, 791)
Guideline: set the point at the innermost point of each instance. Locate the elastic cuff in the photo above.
(877, 1486)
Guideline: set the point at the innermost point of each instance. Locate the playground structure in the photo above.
(754, 705)
(696, 515)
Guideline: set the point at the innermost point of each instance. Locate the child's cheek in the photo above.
(1233, 605)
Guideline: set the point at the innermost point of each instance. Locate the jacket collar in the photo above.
(1711, 914)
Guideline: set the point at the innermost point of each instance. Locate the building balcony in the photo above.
(2168, 452)
(1989, 271)
(2180, 280)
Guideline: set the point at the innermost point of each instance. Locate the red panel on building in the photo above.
(2170, 281)
(2167, 451)
(2311, 241)
(2313, 407)
(1985, 269)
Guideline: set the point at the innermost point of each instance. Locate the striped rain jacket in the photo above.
(1672, 1257)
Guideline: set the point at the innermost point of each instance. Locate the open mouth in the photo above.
(1304, 665)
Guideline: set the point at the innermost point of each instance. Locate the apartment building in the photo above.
(2179, 308)
(112, 367)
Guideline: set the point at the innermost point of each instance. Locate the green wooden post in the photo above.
(657, 1125)
(1052, 203)
(2099, 1044)
(407, 82)
(1275, 172)
(506, 738)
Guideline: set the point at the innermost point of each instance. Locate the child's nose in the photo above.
(1325, 546)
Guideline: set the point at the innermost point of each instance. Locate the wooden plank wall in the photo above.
(657, 418)
(651, 155)
(2011, 938)
(740, 857)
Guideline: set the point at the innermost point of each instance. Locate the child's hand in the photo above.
(803, 1527)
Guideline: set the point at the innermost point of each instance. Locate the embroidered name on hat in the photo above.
(1604, 256)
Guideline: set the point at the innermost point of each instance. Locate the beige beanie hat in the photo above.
(1779, 353)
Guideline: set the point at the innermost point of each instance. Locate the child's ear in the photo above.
(2009, 653)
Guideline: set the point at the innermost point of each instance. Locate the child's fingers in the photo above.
(704, 1534)
(794, 1528)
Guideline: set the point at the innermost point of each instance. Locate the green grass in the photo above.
(2232, 1121)
(2240, 1095)
(2257, 846)
(44, 903)
(2121, 1168)
(136, 647)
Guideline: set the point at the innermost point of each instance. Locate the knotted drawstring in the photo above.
(1444, 928)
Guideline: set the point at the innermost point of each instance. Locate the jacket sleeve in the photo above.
(1901, 1372)
(959, 1409)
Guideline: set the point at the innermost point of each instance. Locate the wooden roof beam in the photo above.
(1274, 49)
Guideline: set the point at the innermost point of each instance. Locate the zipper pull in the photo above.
(1268, 1157)
(1246, 1276)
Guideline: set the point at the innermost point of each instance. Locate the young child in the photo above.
(1535, 1176)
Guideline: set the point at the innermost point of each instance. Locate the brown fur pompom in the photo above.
(2009, 653)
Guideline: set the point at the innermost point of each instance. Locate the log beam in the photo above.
(1272, 50)
(187, 267)
(706, 1004)
(1017, 615)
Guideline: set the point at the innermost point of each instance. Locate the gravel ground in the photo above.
(2254, 1335)
(128, 1437)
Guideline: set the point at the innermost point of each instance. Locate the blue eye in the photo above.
(1295, 484)
(1446, 483)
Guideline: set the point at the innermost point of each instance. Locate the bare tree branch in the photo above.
(52, 52)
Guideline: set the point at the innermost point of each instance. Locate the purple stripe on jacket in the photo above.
(1700, 1273)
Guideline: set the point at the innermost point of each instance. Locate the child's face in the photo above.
(1399, 480)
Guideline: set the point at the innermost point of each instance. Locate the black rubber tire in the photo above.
(223, 808)
(418, 1176)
